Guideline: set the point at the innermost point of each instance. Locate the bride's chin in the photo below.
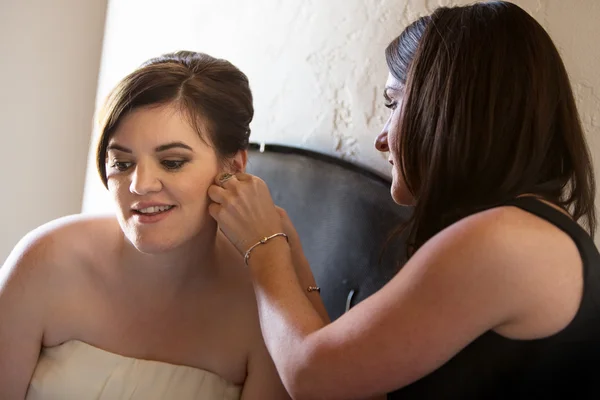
(150, 248)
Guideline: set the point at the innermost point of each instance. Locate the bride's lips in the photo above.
(149, 213)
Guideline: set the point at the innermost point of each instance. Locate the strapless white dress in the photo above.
(76, 370)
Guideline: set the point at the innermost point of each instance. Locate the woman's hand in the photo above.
(244, 209)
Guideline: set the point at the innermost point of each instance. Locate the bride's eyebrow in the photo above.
(173, 145)
(118, 147)
(158, 149)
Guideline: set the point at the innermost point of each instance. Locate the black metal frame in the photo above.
(283, 149)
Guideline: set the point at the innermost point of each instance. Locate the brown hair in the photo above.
(212, 93)
(488, 114)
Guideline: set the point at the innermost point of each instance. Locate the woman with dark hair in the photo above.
(148, 303)
(500, 297)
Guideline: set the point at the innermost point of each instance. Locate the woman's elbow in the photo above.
(303, 376)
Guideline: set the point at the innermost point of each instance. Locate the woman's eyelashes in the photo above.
(173, 165)
(391, 105)
(121, 166)
(167, 164)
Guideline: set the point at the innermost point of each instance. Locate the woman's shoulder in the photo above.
(504, 243)
(508, 226)
(48, 264)
(517, 265)
(69, 240)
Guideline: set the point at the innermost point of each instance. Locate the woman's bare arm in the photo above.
(23, 289)
(301, 265)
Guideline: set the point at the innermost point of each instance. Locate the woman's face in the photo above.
(159, 170)
(387, 140)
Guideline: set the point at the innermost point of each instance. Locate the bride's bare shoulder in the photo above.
(67, 240)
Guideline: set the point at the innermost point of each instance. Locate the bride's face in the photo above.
(159, 170)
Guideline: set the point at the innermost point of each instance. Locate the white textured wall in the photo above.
(48, 75)
(316, 67)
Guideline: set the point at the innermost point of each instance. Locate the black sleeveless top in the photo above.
(565, 365)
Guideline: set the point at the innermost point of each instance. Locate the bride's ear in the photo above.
(239, 161)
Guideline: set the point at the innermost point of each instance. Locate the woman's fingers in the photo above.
(214, 209)
(217, 194)
(242, 176)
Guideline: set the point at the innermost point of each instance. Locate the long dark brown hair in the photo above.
(488, 114)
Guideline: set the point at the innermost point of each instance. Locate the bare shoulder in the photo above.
(63, 241)
(50, 269)
(532, 266)
(35, 281)
(508, 233)
(51, 256)
(517, 266)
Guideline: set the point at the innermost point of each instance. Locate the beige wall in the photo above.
(50, 53)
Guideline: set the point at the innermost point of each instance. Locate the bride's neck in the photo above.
(195, 259)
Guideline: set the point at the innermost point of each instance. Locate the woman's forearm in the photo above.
(287, 316)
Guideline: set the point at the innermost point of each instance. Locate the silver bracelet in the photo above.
(313, 289)
(262, 241)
